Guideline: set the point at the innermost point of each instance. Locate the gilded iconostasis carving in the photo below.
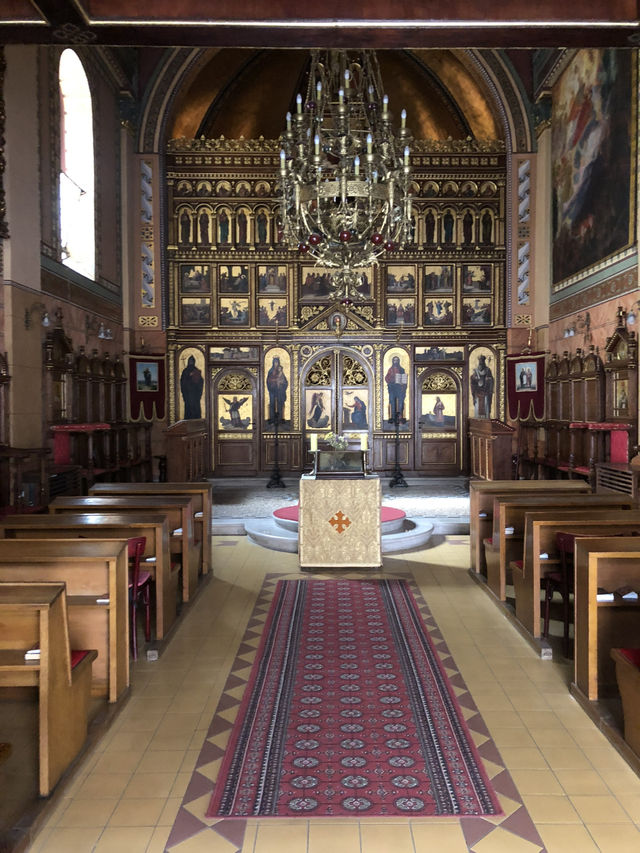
(417, 351)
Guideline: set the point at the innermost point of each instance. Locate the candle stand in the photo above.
(398, 478)
(275, 481)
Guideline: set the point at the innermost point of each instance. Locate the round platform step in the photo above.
(269, 533)
(391, 520)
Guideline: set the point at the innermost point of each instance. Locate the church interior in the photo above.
(239, 245)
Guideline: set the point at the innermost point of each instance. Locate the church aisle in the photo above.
(127, 792)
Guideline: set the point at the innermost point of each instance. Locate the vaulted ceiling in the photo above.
(241, 92)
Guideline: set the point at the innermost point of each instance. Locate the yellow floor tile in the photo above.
(516, 758)
(621, 781)
(102, 785)
(64, 840)
(159, 838)
(169, 811)
(160, 761)
(518, 737)
(561, 839)
(599, 809)
(129, 741)
(341, 837)
(536, 782)
(502, 841)
(117, 762)
(615, 838)
(550, 809)
(566, 758)
(94, 812)
(383, 837)
(445, 838)
(149, 784)
(576, 782)
(137, 812)
(132, 839)
(278, 837)
(631, 804)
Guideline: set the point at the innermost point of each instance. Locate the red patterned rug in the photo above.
(348, 711)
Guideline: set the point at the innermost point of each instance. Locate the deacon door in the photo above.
(235, 423)
(439, 450)
(337, 394)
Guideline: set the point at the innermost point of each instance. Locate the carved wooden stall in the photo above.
(281, 357)
(24, 483)
(591, 421)
(85, 398)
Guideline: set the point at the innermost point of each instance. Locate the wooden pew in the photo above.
(509, 514)
(202, 497)
(607, 563)
(481, 495)
(153, 526)
(540, 538)
(96, 575)
(179, 510)
(34, 616)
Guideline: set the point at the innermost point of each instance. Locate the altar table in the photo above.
(339, 522)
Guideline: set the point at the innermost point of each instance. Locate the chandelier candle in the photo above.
(345, 172)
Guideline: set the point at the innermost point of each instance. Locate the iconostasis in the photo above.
(256, 334)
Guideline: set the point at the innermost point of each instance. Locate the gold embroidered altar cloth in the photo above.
(339, 523)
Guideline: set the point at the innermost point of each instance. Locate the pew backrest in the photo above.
(34, 616)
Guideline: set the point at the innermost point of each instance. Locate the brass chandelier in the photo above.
(344, 172)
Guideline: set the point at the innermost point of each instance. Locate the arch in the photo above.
(501, 82)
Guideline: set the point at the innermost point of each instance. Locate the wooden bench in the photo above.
(540, 538)
(506, 543)
(201, 494)
(627, 664)
(179, 511)
(96, 575)
(607, 563)
(34, 616)
(481, 495)
(153, 526)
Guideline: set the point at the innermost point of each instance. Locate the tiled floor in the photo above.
(126, 794)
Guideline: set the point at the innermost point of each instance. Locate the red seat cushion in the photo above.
(143, 577)
(78, 655)
(553, 576)
(517, 563)
(632, 655)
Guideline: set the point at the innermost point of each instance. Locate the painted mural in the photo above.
(592, 153)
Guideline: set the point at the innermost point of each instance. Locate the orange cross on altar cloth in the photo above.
(340, 521)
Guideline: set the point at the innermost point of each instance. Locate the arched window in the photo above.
(77, 212)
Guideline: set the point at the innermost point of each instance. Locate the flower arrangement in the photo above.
(338, 442)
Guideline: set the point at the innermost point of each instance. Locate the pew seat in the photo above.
(180, 515)
(540, 553)
(508, 513)
(481, 497)
(34, 616)
(112, 525)
(201, 494)
(95, 573)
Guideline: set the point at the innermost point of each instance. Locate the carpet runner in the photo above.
(348, 711)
